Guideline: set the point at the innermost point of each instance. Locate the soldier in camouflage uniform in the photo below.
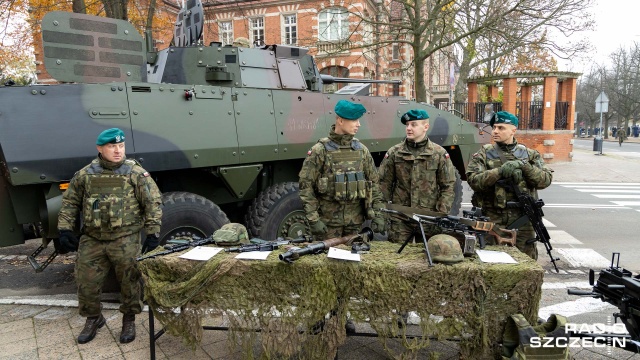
(115, 199)
(339, 184)
(417, 173)
(339, 181)
(525, 166)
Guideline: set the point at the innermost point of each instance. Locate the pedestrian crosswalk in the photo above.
(619, 195)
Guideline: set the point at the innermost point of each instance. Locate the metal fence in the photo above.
(529, 113)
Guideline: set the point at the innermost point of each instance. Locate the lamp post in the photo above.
(602, 106)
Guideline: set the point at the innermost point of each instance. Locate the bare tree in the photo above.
(496, 46)
(623, 86)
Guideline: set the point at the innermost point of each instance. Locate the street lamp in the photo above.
(602, 106)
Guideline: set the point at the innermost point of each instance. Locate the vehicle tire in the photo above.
(188, 214)
(277, 212)
(457, 200)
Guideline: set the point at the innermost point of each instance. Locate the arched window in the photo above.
(335, 71)
(333, 24)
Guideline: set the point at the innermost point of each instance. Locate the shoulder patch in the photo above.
(309, 152)
(386, 155)
(446, 155)
(475, 155)
(145, 174)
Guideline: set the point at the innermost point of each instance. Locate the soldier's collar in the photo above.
(110, 165)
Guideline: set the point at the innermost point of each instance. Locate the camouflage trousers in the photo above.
(95, 258)
(339, 231)
(525, 233)
(341, 219)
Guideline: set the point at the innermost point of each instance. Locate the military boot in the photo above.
(90, 328)
(128, 333)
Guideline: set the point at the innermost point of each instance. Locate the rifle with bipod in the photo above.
(472, 224)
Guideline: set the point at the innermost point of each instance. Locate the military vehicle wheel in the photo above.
(277, 211)
(457, 200)
(187, 214)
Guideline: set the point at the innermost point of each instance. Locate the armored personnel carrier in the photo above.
(223, 130)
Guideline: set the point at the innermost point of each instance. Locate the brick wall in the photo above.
(553, 146)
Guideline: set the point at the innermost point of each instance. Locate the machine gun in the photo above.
(173, 248)
(620, 288)
(473, 225)
(532, 209)
(294, 254)
(262, 245)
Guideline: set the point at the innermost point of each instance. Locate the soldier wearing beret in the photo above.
(506, 159)
(115, 198)
(339, 183)
(417, 173)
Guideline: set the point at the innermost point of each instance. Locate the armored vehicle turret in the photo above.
(222, 129)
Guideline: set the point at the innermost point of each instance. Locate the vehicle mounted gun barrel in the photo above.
(292, 255)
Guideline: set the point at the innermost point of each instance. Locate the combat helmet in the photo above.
(445, 249)
(231, 234)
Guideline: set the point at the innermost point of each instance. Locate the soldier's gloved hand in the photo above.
(507, 169)
(151, 242)
(517, 176)
(68, 242)
(318, 228)
(378, 225)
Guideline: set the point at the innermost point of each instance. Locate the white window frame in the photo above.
(226, 34)
(256, 28)
(290, 30)
(333, 24)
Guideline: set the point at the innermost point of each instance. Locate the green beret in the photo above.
(417, 114)
(113, 135)
(503, 117)
(348, 110)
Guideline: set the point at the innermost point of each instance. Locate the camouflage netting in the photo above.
(469, 300)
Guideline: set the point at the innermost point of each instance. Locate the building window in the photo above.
(395, 52)
(226, 32)
(333, 24)
(290, 28)
(335, 71)
(257, 30)
(396, 90)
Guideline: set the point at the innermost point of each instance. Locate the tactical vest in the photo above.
(343, 179)
(518, 339)
(493, 162)
(110, 208)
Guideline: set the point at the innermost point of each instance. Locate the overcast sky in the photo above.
(617, 24)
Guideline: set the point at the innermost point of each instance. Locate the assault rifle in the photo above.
(292, 255)
(618, 287)
(262, 245)
(532, 209)
(174, 248)
(472, 224)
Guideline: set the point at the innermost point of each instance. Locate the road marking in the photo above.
(619, 187)
(548, 223)
(566, 285)
(608, 190)
(561, 237)
(588, 258)
(616, 196)
(575, 206)
(576, 307)
(593, 183)
(627, 203)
